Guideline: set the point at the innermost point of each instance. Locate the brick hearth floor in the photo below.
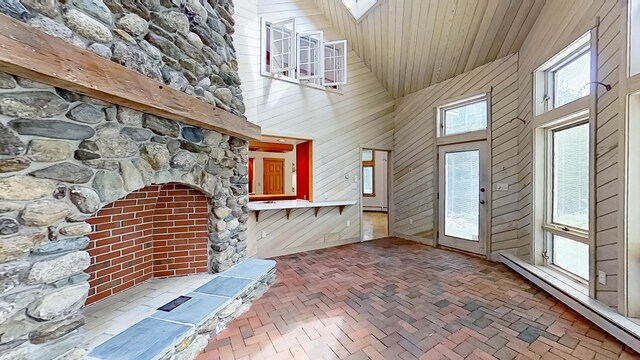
(394, 299)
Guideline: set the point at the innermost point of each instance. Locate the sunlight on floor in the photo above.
(375, 225)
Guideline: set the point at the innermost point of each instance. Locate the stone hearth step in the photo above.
(186, 329)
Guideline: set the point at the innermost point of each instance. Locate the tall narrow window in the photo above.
(335, 63)
(570, 81)
(368, 172)
(567, 222)
(634, 37)
(282, 46)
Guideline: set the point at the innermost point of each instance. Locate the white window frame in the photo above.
(543, 119)
(441, 131)
(290, 73)
(344, 63)
(544, 76)
(549, 227)
(288, 34)
(311, 37)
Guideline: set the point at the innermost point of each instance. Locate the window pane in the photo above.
(571, 255)
(470, 117)
(367, 177)
(462, 197)
(571, 176)
(571, 81)
(367, 155)
(634, 37)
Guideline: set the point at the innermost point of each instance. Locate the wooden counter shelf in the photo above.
(289, 205)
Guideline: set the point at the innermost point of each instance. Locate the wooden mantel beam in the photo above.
(30, 53)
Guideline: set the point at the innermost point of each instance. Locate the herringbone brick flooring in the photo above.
(394, 299)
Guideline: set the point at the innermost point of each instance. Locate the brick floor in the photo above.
(394, 299)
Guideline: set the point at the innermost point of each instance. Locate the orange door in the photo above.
(273, 176)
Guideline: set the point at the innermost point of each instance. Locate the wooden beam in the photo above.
(30, 53)
(270, 147)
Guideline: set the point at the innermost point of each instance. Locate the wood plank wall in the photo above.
(338, 124)
(559, 24)
(415, 150)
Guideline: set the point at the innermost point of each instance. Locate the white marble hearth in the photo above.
(111, 316)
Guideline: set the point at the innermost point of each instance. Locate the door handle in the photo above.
(482, 202)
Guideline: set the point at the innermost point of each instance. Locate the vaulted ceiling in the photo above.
(412, 44)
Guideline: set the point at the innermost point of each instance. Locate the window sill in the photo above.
(576, 297)
(300, 83)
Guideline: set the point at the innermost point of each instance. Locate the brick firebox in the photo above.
(157, 231)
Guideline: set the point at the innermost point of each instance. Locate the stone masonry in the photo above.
(64, 156)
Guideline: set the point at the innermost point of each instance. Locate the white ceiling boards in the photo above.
(412, 44)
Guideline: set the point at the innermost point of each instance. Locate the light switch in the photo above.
(602, 277)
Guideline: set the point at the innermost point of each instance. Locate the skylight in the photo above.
(360, 8)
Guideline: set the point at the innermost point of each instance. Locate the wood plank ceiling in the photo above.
(412, 44)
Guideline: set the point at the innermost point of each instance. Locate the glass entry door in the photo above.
(462, 196)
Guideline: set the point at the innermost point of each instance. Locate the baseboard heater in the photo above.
(620, 327)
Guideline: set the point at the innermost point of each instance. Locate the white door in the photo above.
(463, 195)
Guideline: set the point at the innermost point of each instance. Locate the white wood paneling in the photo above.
(338, 125)
(414, 146)
(412, 44)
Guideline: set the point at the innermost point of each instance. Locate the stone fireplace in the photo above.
(96, 197)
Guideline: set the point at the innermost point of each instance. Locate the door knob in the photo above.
(482, 202)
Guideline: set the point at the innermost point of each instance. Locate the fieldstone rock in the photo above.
(183, 160)
(166, 46)
(10, 274)
(137, 134)
(49, 331)
(162, 126)
(95, 8)
(222, 212)
(192, 134)
(129, 117)
(100, 50)
(223, 94)
(44, 212)
(13, 164)
(31, 84)
(32, 104)
(7, 81)
(125, 36)
(55, 29)
(55, 268)
(85, 155)
(58, 304)
(25, 188)
(146, 171)
(75, 279)
(134, 58)
(197, 8)
(118, 146)
(8, 226)
(49, 150)
(76, 229)
(55, 129)
(131, 176)
(210, 37)
(150, 49)
(66, 171)
(86, 26)
(85, 199)
(187, 145)
(16, 247)
(16, 302)
(6, 207)
(195, 40)
(108, 185)
(156, 155)
(171, 21)
(60, 192)
(87, 114)
(62, 246)
(15, 9)
(46, 7)
(133, 24)
(174, 79)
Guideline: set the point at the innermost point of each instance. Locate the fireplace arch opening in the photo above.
(154, 232)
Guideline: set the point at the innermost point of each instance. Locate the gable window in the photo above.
(359, 8)
(464, 116)
(368, 172)
(302, 58)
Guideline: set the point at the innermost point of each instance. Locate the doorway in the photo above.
(273, 176)
(462, 197)
(375, 194)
